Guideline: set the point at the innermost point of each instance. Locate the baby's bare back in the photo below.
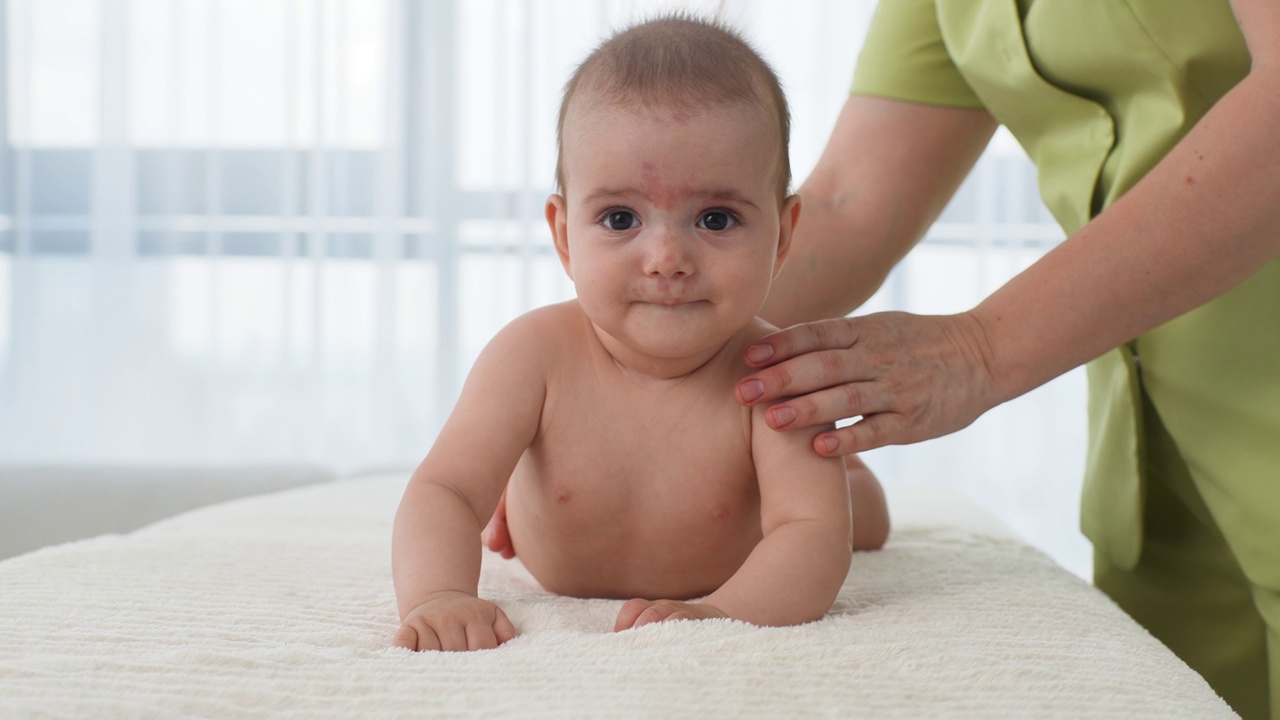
(635, 488)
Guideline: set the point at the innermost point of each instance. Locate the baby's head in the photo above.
(672, 216)
(680, 63)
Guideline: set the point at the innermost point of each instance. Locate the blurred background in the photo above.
(279, 231)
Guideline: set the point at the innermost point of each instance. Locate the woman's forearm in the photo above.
(1202, 221)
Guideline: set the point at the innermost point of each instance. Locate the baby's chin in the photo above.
(681, 329)
(668, 342)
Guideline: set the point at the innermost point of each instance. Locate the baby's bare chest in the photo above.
(682, 453)
(629, 493)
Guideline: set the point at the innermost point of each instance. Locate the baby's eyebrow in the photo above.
(731, 195)
(727, 194)
(608, 194)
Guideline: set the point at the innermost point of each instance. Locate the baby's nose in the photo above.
(669, 257)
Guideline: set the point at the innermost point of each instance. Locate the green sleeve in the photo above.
(904, 58)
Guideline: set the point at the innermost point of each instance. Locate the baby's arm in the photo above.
(436, 540)
(794, 574)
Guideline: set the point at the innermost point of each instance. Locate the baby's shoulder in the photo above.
(544, 330)
(557, 317)
(547, 319)
(752, 333)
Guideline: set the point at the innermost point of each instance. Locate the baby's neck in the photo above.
(655, 375)
(649, 370)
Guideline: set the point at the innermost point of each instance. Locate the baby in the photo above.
(631, 470)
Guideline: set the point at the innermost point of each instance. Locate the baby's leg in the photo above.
(496, 536)
(870, 514)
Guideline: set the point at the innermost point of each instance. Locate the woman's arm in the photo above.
(888, 170)
(1203, 220)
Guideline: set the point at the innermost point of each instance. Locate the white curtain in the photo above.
(280, 230)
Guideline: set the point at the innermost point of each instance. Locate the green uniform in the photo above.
(1182, 494)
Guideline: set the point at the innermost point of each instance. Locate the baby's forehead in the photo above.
(597, 109)
(740, 128)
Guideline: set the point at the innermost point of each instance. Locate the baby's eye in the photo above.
(620, 220)
(717, 220)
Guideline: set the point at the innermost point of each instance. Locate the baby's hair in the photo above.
(679, 61)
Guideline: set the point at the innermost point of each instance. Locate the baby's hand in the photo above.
(637, 612)
(452, 620)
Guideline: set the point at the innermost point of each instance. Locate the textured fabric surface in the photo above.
(281, 606)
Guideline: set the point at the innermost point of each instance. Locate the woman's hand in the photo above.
(909, 377)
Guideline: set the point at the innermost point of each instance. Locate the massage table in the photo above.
(281, 606)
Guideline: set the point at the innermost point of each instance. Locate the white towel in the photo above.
(282, 606)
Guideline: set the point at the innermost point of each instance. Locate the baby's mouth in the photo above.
(672, 301)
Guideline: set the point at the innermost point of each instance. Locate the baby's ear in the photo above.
(558, 220)
(787, 219)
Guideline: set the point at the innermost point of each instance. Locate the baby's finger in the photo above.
(631, 610)
(451, 636)
(480, 636)
(406, 637)
(427, 639)
(502, 627)
(653, 614)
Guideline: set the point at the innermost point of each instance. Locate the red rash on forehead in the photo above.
(680, 115)
(664, 196)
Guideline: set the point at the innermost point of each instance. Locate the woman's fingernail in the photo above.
(759, 353)
(783, 416)
(830, 444)
(751, 389)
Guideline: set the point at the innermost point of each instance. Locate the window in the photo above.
(281, 230)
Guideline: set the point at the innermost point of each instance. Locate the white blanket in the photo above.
(281, 606)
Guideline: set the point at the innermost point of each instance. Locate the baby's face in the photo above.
(671, 226)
